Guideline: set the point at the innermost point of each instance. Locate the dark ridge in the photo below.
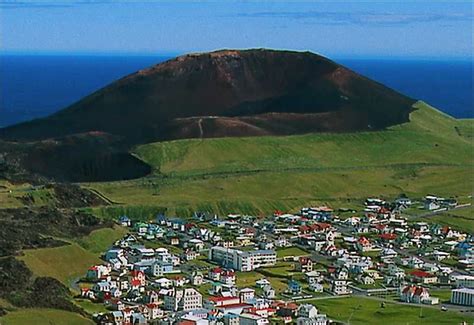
(143, 107)
(219, 94)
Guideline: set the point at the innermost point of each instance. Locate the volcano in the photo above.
(227, 93)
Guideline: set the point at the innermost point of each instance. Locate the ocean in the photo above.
(33, 86)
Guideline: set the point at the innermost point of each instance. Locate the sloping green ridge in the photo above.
(433, 153)
(430, 138)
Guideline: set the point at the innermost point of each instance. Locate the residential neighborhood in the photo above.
(241, 269)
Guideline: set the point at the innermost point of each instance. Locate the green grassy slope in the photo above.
(430, 138)
(367, 311)
(43, 317)
(432, 153)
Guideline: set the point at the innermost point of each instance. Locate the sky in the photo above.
(383, 29)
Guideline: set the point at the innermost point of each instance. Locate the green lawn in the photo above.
(260, 174)
(65, 263)
(291, 251)
(43, 317)
(99, 240)
(459, 219)
(367, 311)
(91, 307)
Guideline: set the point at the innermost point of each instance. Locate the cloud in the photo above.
(360, 18)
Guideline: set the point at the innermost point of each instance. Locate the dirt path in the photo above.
(201, 131)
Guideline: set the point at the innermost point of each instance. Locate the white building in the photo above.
(308, 315)
(339, 287)
(251, 319)
(185, 299)
(240, 260)
(464, 281)
(464, 296)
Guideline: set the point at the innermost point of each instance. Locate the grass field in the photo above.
(460, 219)
(291, 251)
(43, 317)
(367, 311)
(69, 262)
(12, 195)
(99, 240)
(65, 263)
(430, 154)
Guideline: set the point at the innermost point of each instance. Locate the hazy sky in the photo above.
(336, 28)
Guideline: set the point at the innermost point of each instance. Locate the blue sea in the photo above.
(33, 86)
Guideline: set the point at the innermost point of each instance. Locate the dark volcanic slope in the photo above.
(228, 93)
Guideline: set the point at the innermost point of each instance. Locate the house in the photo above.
(164, 283)
(196, 244)
(189, 255)
(184, 299)
(158, 268)
(308, 315)
(304, 264)
(415, 263)
(252, 319)
(174, 240)
(214, 274)
(431, 205)
(339, 287)
(316, 287)
(96, 272)
(225, 303)
(268, 292)
(363, 244)
(246, 294)
(439, 255)
(419, 276)
(388, 237)
(231, 319)
(417, 295)
(313, 277)
(124, 221)
(294, 287)
(262, 283)
(464, 248)
(227, 277)
(178, 281)
(366, 280)
(196, 278)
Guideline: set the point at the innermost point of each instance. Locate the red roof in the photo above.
(304, 260)
(304, 228)
(187, 322)
(219, 298)
(323, 225)
(152, 306)
(227, 273)
(136, 282)
(136, 273)
(216, 270)
(388, 236)
(421, 274)
(384, 210)
(363, 241)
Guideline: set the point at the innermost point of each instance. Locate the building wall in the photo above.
(463, 297)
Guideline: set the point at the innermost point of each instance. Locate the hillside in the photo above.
(430, 154)
(227, 93)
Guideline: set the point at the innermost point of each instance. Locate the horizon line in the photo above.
(175, 53)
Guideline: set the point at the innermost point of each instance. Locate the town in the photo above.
(241, 269)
